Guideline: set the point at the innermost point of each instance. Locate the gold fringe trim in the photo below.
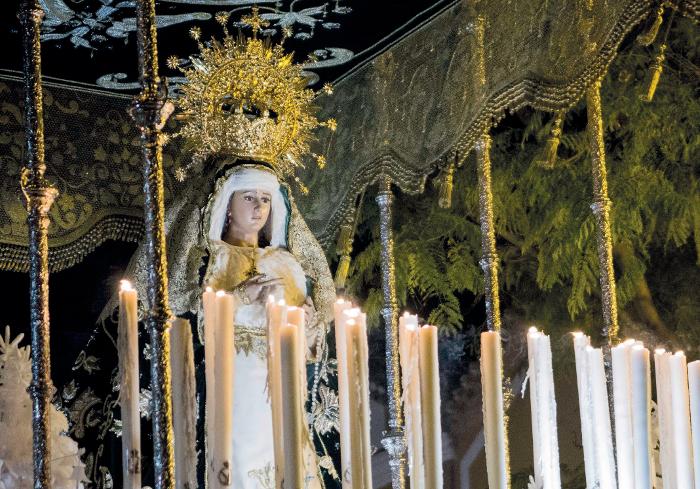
(15, 258)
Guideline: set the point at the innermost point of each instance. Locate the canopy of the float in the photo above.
(417, 107)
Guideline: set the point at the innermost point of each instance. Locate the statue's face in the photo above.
(249, 210)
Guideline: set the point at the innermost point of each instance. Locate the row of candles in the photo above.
(629, 462)
(288, 392)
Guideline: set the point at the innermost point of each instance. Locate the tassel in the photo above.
(647, 37)
(343, 248)
(656, 69)
(445, 198)
(548, 157)
(341, 273)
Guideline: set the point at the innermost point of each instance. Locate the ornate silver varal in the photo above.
(601, 209)
(148, 113)
(394, 440)
(39, 196)
(489, 258)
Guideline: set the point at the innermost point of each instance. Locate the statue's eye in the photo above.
(266, 199)
(248, 198)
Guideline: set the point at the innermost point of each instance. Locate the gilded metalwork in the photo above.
(246, 97)
(394, 440)
(39, 196)
(489, 257)
(148, 111)
(601, 209)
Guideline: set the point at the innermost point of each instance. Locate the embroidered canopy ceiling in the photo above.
(407, 103)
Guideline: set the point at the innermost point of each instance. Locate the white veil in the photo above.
(248, 178)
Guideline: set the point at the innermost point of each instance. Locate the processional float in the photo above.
(150, 112)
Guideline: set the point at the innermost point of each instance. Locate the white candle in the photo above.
(622, 400)
(184, 404)
(585, 402)
(225, 357)
(128, 346)
(358, 390)
(430, 405)
(295, 316)
(605, 460)
(343, 405)
(209, 307)
(492, 400)
(680, 404)
(291, 408)
(694, 387)
(544, 411)
(276, 318)
(641, 417)
(665, 415)
(410, 377)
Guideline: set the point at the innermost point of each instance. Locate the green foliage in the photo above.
(545, 228)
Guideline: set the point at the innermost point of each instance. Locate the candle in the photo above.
(276, 318)
(128, 347)
(291, 407)
(694, 387)
(544, 411)
(641, 417)
(665, 413)
(183, 392)
(581, 342)
(680, 404)
(623, 415)
(605, 459)
(343, 405)
(410, 377)
(492, 401)
(358, 390)
(209, 306)
(430, 405)
(295, 316)
(224, 357)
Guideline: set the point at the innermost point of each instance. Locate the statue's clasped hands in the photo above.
(256, 288)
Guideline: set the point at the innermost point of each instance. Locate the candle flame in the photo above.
(281, 302)
(660, 351)
(352, 312)
(209, 289)
(638, 347)
(220, 293)
(577, 334)
(680, 353)
(125, 285)
(340, 300)
(270, 299)
(350, 322)
(532, 329)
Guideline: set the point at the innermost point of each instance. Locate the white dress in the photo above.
(253, 449)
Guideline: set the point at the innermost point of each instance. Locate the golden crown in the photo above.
(246, 97)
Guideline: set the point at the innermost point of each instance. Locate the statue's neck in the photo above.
(245, 240)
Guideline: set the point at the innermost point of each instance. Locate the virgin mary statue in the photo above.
(233, 226)
(237, 229)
